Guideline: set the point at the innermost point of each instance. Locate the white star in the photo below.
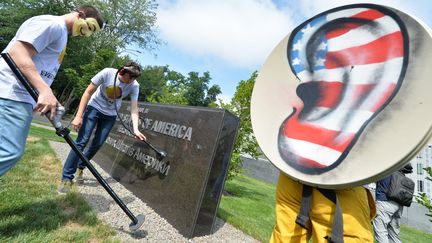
(307, 29)
(322, 46)
(297, 46)
(319, 62)
(296, 61)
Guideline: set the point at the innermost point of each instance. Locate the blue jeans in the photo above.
(92, 118)
(15, 120)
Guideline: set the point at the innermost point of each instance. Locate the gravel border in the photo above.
(155, 228)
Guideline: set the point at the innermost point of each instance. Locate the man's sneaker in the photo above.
(79, 177)
(65, 187)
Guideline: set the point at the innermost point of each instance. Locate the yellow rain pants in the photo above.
(357, 205)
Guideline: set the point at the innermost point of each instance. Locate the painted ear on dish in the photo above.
(350, 65)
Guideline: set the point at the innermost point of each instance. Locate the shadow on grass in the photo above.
(223, 214)
(43, 216)
(243, 191)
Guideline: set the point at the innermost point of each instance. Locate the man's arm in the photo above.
(22, 54)
(77, 121)
(134, 116)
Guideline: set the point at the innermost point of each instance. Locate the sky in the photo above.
(232, 38)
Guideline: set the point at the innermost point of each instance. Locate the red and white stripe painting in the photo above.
(350, 63)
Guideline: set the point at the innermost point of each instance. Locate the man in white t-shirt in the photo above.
(98, 109)
(38, 49)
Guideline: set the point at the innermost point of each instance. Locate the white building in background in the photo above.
(420, 161)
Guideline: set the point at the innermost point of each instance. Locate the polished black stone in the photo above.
(184, 187)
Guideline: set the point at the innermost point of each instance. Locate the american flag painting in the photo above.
(350, 62)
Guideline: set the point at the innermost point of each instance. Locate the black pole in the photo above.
(159, 153)
(64, 133)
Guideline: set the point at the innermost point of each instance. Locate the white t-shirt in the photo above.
(103, 98)
(48, 35)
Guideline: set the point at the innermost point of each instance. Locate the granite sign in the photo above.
(184, 187)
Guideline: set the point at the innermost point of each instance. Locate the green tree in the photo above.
(156, 81)
(14, 12)
(198, 92)
(423, 199)
(171, 90)
(129, 23)
(162, 85)
(245, 142)
(152, 78)
(170, 95)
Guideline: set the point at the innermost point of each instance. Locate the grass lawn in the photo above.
(32, 211)
(47, 133)
(409, 234)
(251, 208)
(41, 122)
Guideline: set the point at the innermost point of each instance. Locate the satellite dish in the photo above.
(344, 99)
